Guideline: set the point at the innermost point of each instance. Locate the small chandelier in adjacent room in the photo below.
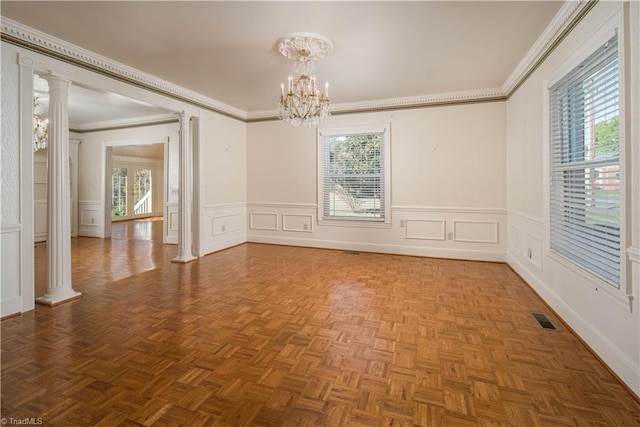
(301, 103)
(40, 125)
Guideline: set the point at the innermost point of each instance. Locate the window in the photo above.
(119, 192)
(354, 174)
(585, 195)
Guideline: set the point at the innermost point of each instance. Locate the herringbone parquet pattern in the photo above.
(262, 335)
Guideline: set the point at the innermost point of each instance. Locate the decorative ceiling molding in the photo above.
(565, 20)
(29, 38)
(159, 119)
(421, 101)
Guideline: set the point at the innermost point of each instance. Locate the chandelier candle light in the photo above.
(302, 104)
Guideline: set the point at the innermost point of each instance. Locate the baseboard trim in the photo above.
(462, 254)
(566, 315)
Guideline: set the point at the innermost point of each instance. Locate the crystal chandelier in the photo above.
(301, 103)
(40, 125)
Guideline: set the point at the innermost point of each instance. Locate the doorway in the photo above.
(131, 192)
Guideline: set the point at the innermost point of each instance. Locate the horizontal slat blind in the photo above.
(585, 164)
(353, 179)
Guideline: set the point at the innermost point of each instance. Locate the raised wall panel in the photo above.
(174, 222)
(425, 229)
(91, 216)
(297, 222)
(225, 224)
(10, 271)
(171, 224)
(263, 221)
(475, 231)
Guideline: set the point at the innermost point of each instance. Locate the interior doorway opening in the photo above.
(137, 180)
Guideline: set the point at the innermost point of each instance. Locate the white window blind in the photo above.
(353, 181)
(585, 164)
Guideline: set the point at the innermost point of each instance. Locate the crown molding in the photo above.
(420, 101)
(158, 119)
(29, 38)
(564, 21)
(571, 12)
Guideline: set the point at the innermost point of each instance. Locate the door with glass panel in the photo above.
(131, 192)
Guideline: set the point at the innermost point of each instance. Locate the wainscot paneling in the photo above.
(578, 297)
(225, 226)
(426, 229)
(297, 222)
(475, 231)
(10, 248)
(172, 224)
(91, 218)
(263, 221)
(418, 231)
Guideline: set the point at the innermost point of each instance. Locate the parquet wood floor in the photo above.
(261, 335)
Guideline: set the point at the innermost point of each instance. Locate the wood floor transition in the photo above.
(261, 335)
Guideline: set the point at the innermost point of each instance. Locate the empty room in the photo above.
(332, 213)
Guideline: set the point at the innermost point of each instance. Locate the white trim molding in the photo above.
(567, 17)
(35, 40)
(29, 38)
(90, 218)
(415, 231)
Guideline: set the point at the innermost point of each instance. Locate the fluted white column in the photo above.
(185, 169)
(59, 287)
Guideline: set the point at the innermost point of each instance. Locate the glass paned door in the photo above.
(131, 192)
(119, 193)
(142, 192)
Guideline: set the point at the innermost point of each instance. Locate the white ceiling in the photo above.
(227, 50)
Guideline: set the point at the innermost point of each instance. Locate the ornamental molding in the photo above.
(569, 15)
(127, 123)
(562, 23)
(31, 39)
(388, 104)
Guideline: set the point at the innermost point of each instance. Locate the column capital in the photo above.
(56, 82)
(183, 116)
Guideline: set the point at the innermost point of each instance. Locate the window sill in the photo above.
(353, 224)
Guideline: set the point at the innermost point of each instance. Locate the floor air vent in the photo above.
(543, 321)
(351, 253)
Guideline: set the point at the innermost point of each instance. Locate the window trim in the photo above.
(614, 25)
(385, 129)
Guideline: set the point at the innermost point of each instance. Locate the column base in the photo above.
(184, 259)
(55, 300)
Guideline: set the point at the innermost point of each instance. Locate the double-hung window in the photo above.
(354, 174)
(585, 196)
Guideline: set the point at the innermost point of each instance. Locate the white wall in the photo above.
(221, 163)
(447, 184)
(16, 225)
(605, 318)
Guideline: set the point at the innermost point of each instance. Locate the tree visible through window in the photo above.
(353, 176)
(119, 192)
(585, 164)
